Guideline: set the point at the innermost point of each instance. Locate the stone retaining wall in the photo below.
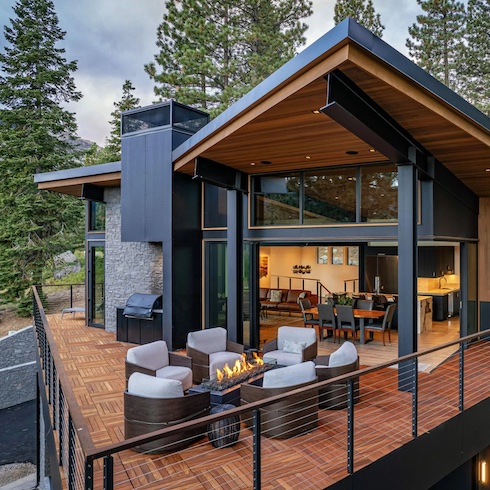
(17, 368)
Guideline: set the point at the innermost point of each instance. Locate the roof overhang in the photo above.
(278, 121)
(71, 181)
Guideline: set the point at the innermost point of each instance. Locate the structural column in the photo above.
(407, 266)
(234, 252)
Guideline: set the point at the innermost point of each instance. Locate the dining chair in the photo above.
(308, 319)
(364, 304)
(326, 320)
(345, 320)
(385, 324)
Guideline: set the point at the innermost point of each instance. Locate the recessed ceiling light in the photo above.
(372, 150)
(308, 157)
(265, 162)
(351, 152)
(487, 170)
(316, 111)
(252, 163)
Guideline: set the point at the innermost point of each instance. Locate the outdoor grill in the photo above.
(140, 305)
(140, 320)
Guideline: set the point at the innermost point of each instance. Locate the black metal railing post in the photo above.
(71, 295)
(257, 460)
(108, 472)
(415, 397)
(350, 426)
(71, 454)
(89, 474)
(461, 377)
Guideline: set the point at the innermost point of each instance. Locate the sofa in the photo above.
(274, 299)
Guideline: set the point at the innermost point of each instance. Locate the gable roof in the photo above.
(275, 122)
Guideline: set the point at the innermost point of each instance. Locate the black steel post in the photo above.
(350, 426)
(108, 472)
(256, 450)
(415, 397)
(71, 454)
(71, 295)
(38, 429)
(461, 377)
(89, 474)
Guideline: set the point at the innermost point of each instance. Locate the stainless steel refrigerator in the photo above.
(382, 274)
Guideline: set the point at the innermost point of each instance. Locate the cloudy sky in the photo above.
(113, 39)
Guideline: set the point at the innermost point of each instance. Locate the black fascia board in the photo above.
(347, 29)
(218, 174)
(355, 110)
(78, 172)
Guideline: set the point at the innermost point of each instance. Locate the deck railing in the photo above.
(391, 408)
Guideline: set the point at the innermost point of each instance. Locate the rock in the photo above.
(65, 263)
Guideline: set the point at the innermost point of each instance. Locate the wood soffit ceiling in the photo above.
(289, 132)
(73, 187)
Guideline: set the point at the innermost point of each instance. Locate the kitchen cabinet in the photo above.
(435, 261)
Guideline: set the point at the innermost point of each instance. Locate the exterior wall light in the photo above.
(483, 472)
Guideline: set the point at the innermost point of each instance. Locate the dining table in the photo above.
(359, 314)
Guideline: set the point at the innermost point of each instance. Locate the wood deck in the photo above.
(94, 363)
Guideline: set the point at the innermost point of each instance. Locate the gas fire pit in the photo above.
(225, 386)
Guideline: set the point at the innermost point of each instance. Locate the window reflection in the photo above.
(215, 206)
(379, 194)
(96, 216)
(276, 200)
(330, 197)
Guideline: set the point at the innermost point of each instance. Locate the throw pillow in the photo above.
(293, 347)
(276, 296)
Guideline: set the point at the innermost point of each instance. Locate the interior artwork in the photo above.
(264, 266)
(322, 255)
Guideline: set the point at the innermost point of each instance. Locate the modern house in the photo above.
(348, 152)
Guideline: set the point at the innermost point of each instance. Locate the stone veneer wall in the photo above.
(130, 267)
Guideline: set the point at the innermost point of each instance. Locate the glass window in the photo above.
(215, 206)
(96, 216)
(146, 119)
(276, 200)
(330, 196)
(188, 119)
(379, 194)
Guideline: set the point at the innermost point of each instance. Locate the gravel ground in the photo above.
(15, 471)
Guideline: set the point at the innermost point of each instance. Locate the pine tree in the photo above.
(476, 59)
(436, 42)
(111, 152)
(360, 10)
(213, 51)
(35, 136)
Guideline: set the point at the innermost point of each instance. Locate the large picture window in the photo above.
(215, 206)
(355, 194)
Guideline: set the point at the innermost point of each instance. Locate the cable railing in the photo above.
(369, 413)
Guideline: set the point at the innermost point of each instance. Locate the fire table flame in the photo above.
(241, 366)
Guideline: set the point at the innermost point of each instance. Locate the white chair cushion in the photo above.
(180, 373)
(217, 360)
(296, 334)
(150, 356)
(284, 358)
(345, 354)
(290, 375)
(208, 341)
(151, 387)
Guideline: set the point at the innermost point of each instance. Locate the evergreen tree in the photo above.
(476, 66)
(35, 136)
(112, 150)
(436, 42)
(360, 10)
(213, 51)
